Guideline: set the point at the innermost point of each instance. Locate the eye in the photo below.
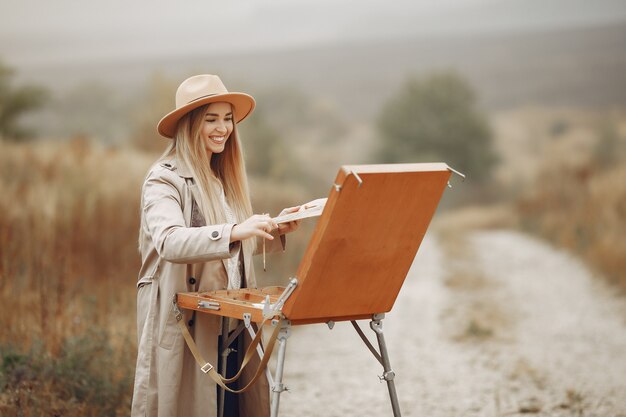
(210, 120)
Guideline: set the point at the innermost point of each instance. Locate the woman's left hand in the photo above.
(284, 228)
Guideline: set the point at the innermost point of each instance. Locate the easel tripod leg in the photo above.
(278, 387)
(377, 326)
(223, 357)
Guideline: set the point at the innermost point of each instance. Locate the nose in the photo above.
(221, 127)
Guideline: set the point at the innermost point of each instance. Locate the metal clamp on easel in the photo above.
(209, 305)
(457, 173)
(338, 187)
(270, 310)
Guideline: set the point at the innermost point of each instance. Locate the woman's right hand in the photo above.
(256, 225)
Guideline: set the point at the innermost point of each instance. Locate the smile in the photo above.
(218, 139)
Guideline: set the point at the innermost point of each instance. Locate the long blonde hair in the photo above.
(227, 167)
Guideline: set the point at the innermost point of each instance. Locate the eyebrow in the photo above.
(230, 113)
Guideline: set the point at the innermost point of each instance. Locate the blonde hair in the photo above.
(227, 167)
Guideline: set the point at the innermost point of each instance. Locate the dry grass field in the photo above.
(566, 171)
(588, 219)
(67, 276)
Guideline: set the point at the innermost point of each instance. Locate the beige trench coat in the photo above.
(168, 382)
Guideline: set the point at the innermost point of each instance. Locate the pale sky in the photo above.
(43, 32)
(32, 30)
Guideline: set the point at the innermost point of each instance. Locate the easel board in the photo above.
(365, 240)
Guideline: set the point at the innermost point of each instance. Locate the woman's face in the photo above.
(217, 126)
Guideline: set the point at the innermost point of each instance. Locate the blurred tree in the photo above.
(90, 109)
(309, 134)
(436, 119)
(294, 112)
(15, 102)
(156, 101)
(609, 148)
(267, 156)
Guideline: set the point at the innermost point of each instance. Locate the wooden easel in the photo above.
(354, 266)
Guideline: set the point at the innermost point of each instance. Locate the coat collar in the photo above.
(178, 166)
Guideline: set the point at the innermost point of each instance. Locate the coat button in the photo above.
(190, 322)
(215, 234)
(192, 280)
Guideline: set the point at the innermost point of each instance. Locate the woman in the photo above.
(197, 234)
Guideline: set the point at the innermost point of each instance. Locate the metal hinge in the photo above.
(270, 310)
(457, 173)
(208, 305)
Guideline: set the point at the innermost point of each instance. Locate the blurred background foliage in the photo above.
(534, 116)
(15, 102)
(433, 119)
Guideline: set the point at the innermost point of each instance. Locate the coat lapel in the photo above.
(183, 171)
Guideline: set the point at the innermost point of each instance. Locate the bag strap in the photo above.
(209, 369)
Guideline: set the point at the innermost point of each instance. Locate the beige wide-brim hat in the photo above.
(199, 90)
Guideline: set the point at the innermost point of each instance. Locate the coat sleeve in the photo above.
(173, 240)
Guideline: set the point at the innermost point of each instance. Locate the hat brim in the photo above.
(242, 103)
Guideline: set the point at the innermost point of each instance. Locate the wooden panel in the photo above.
(365, 240)
(232, 303)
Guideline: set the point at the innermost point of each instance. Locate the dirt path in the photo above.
(496, 324)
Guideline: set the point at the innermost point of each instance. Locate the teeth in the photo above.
(217, 138)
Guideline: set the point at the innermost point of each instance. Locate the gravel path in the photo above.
(496, 324)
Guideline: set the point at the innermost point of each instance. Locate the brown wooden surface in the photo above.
(233, 303)
(365, 241)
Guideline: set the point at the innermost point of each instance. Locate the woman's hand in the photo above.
(256, 225)
(289, 227)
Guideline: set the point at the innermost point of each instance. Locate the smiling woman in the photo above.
(217, 127)
(198, 233)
